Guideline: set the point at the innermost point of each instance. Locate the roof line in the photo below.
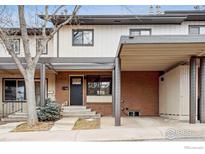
(159, 39)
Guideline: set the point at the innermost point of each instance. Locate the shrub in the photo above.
(49, 112)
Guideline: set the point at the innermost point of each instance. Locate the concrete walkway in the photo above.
(8, 127)
(151, 128)
(64, 124)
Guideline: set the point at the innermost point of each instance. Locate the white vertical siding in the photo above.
(184, 92)
(174, 93)
(32, 43)
(106, 39)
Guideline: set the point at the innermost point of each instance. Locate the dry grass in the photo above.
(41, 126)
(87, 124)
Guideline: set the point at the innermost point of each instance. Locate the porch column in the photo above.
(192, 93)
(42, 84)
(113, 92)
(117, 91)
(202, 90)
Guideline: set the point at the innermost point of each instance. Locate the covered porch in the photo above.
(163, 54)
(54, 76)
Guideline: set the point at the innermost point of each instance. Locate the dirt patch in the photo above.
(41, 126)
(81, 124)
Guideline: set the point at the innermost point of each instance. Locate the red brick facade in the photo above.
(139, 92)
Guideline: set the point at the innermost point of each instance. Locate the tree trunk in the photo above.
(31, 99)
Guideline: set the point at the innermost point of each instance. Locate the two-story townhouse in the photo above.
(130, 65)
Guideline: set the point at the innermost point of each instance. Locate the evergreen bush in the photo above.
(50, 111)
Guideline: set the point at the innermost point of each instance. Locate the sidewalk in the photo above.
(5, 128)
(64, 124)
(131, 130)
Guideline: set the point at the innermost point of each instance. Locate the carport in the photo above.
(162, 53)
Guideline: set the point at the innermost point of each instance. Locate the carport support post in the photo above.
(42, 84)
(202, 90)
(192, 93)
(117, 91)
(113, 92)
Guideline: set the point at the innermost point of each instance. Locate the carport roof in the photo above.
(159, 52)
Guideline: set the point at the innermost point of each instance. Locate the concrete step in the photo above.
(79, 111)
(21, 113)
(76, 111)
(74, 107)
(74, 114)
(17, 116)
(92, 116)
(84, 116)
(13, 119)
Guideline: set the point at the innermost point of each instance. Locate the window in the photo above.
(14, 90)
(83, 37)
(197, 29)
(99, 85)
(15, 45)
(39, 42)
(137, 32)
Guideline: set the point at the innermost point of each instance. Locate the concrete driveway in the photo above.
(132, 129)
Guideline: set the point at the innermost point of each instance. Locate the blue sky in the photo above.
(113, 9)
(33, 20)
(120, 9)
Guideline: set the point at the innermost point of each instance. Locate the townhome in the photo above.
(117, 65)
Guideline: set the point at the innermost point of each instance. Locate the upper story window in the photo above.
(197, 29)
(138, 32)
(15, 45)
(83, 37)
(39, 42)
(99, 85)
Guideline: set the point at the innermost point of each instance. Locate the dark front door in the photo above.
(76, 90)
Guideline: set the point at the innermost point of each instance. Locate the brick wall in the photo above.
(61, 81)
(140, 92)
(104, 108)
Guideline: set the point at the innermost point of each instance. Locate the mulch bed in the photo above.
(41, 126)
(82, 124)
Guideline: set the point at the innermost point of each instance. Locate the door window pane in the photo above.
(21, 91)
(10, 90)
